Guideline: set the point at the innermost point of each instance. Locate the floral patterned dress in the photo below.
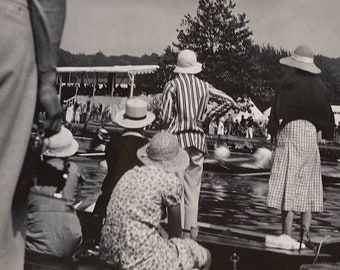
(130, 237)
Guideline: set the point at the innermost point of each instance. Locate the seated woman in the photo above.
(131, 237)
(53, 227)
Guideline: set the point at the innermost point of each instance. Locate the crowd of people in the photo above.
(88, 89)
(81, 113)
(148, 182)
(246, 127)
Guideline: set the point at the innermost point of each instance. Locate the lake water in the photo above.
(238, 202)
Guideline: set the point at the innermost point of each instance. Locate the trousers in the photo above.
(192, 186)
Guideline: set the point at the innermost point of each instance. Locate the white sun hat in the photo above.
(187, 63)
(61, 144)
(302, 58)
(135, 114)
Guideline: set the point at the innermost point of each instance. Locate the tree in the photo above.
(222, 42)
(330, 78)
(268, 73)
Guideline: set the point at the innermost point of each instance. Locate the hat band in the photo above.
(161, 157)
(303, 59)
(134, 118)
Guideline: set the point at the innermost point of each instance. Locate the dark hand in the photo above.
(50, 104)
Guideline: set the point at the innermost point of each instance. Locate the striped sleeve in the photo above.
(167, 103)
(204, 100)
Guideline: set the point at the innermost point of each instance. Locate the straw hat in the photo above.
(61, 144)
(135, 114)
(302, 58)
(187, 63)
(164, 151)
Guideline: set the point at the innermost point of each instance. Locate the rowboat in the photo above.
(330, 171)
(232, 165)
(231, 248)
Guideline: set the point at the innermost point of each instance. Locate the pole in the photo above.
(132, 78)
(60, 79)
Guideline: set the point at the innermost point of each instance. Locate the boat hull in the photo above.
(228, 243)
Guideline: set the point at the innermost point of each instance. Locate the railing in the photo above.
(70, 102)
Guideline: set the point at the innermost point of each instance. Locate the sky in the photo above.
(138, 27)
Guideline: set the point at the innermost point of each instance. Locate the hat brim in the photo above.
(129, 123)
(189, 70)
(67, 152)
(309, 67)
(178, 163)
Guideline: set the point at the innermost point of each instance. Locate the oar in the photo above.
(99, 154)
(240, 232)
(264, 173)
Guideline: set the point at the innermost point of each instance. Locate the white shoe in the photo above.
(283, 241)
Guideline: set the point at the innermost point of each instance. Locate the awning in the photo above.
(131, 69)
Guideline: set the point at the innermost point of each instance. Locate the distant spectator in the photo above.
(220, 127)
(250, 127)
(77, 115)
(229, 124)
(236, 128)
(212, 127)
(243, 125)
(69, 114)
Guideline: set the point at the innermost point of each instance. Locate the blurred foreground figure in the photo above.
(29, 38)
(53, 227)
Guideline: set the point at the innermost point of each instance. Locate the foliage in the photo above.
(330, 76)
(268, 73)
(222, 42)
(99, 59)
(232, 62)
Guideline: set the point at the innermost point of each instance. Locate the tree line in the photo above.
(223, 43)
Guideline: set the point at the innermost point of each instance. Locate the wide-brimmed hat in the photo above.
(187, 63)
(61, 144)
(302, 58)
(164, 151)
(135, 114)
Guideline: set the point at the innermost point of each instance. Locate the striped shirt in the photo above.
(184, 102)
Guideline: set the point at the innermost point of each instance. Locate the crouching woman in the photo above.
(53, 227)
(130, 236)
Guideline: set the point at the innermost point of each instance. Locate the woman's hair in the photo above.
(47, 175)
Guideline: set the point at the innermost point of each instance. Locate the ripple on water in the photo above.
(234, 201)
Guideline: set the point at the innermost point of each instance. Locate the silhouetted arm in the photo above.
(47, 18)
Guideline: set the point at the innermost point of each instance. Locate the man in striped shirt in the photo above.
(184, 102)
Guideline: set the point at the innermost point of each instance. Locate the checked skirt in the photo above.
(295, 182)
